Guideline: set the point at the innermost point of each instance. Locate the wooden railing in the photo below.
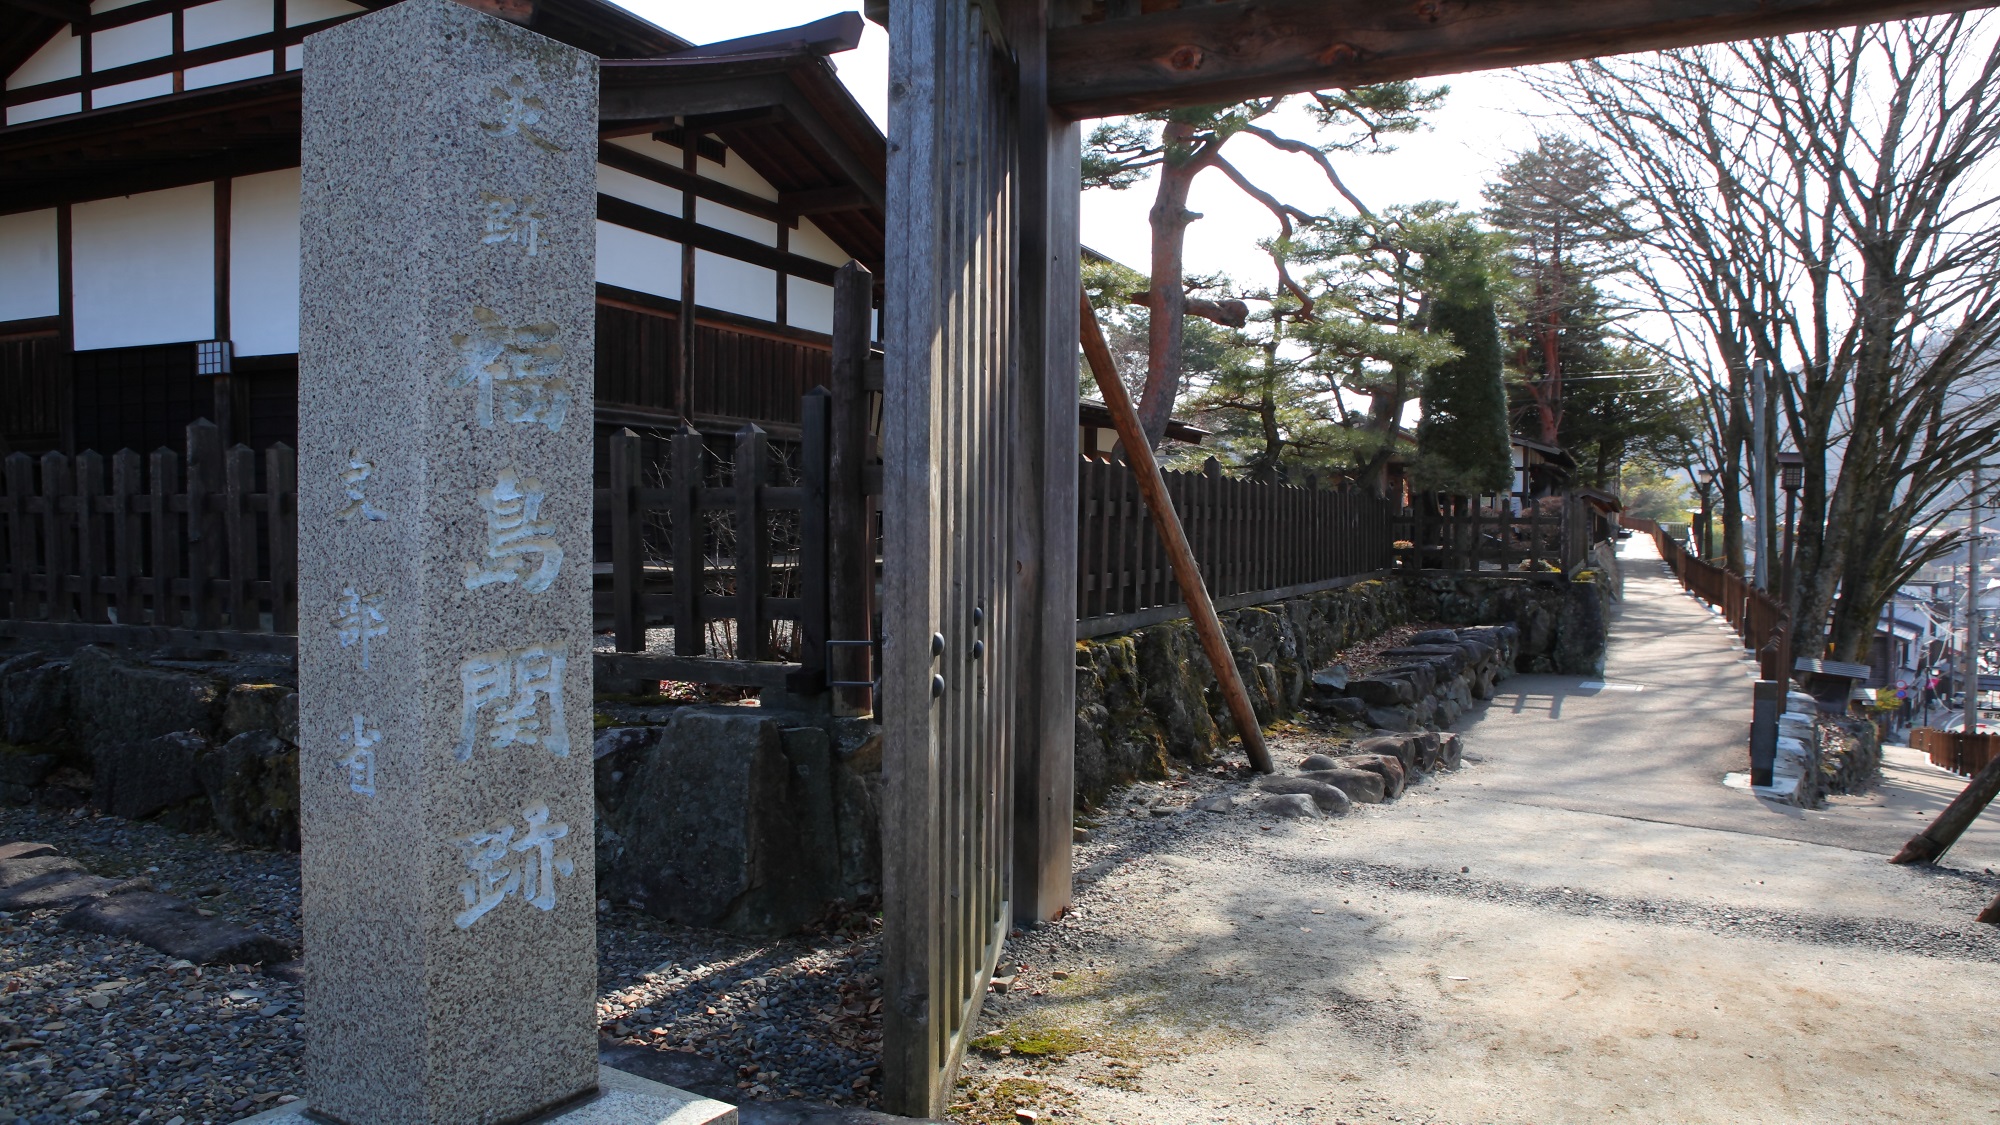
(1498, 532)
(1956, 750)
(198, 549)
(1754, 614)
(1254, 543)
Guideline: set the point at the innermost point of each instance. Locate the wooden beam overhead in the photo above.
(69, 11)
(1204, 54)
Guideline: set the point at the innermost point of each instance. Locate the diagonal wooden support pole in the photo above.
(1153, 489)
(1927, 846)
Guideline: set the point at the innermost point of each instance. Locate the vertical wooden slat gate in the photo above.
(951, 471)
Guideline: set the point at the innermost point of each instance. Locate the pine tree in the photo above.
(1463, 447)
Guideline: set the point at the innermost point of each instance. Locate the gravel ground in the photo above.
(98, 1028)
(101, 1029)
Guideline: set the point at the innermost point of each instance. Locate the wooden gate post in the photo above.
(628, 574)
(1047, 461)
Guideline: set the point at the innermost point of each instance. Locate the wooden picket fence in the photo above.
(1497, 532)
(1754, 614)
(675, 565)
(196, 548)
(1254, 543)
(1957, 751)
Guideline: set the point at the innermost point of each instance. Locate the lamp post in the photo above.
(1791, 478)
(1704, 479)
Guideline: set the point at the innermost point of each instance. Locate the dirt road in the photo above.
(1586, 925)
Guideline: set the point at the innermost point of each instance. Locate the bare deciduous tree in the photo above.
(1826, 205)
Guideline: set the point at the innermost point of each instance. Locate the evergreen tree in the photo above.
(1463, 447)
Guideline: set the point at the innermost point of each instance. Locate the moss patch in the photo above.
(1034, 1042)
(994, 1101)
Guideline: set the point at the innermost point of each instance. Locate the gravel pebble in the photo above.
(100, 1029)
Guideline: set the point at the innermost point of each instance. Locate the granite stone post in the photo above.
(445, 400)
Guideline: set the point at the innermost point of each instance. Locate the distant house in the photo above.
(149, 217)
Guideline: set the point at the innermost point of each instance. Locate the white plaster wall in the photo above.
(223, 21)
(28, 278)
(158, 86)
(134, 42)
(47, 107)
(143, 268)
(811, 242)
(632, 260)
(60, 57)
(298, 12)
(808, 304)
(99, 7)
(295, 56)
(733, 286)
(228, 70)
(647, 146)
(264, 263)
(638, 189)
(712, 214)
(737, 174)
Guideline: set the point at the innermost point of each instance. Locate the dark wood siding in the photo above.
(33, 398)
(138, 398)
(739, 373)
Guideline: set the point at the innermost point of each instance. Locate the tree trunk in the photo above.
(1167, 298)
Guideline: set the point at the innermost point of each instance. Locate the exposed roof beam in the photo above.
(1208, 53)
(831, 35)
(823, 201)
(69, 11)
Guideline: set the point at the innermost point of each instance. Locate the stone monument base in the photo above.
(621, 1099)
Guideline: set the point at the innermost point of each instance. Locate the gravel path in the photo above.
(102, 1029)
(1584, 924)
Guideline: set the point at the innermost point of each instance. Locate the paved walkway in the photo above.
(1586, 925)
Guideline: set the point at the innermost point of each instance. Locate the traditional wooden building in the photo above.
(149, 199)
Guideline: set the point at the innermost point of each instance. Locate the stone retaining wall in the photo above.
(1149, 697)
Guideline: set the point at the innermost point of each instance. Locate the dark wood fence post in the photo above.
(127, 537)
(167, 537)
(20, 535)
(204, 528)
(90, 556)
(628, 573)
(281, 479)
(752, 549)
(240, 481)
(815, 416)
(690, 629)
(850, 538)
(56, 536)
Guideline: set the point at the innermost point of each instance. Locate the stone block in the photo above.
(175, 928)
(1392, 718)
(1388, 766)
(447, 311)
(34, 699)
(22, 771)
(271, 707)
(714, 822)
(620, 1098)
(1381, 691)
(1291, 806)
(139, 779)
(115, 701)
(252, 783)
(1328, 798)
(1365, 786)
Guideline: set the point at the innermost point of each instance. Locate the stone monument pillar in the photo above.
(448, 250)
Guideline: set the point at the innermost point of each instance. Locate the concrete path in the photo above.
(1586, 925)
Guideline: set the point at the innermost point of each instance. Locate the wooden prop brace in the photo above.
(1153, 489)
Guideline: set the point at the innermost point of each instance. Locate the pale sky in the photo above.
(1482, 122)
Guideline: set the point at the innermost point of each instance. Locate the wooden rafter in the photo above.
(1207, 53)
